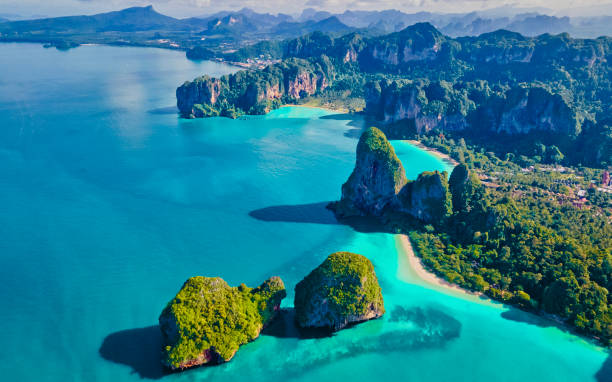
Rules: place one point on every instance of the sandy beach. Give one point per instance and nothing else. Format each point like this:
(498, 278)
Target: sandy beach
(315, 106)
(435, 152)
(414, 271)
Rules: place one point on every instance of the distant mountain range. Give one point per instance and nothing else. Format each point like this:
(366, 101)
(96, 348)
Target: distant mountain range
(230, 30)
(528, 22)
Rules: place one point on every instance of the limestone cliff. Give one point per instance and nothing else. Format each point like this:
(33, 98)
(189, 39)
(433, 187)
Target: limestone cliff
(428, 198)
(253, 92)
(377, 179)
(342, 290)
(419, 42)
(208, 320)
(395, 101)
(525, 109)
(203, 90)
(378, 186)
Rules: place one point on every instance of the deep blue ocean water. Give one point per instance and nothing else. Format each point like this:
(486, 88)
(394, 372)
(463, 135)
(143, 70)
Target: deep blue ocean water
(109, 202)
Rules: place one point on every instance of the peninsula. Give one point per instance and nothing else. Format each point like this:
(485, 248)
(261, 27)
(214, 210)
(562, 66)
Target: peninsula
(483, 238)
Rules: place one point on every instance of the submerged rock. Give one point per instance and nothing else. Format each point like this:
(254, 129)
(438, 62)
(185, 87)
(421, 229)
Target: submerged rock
(342, 290)
(376, 180)
(208, 320)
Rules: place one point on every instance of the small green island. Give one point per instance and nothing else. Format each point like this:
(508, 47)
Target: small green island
(208, 320)
(343, 290)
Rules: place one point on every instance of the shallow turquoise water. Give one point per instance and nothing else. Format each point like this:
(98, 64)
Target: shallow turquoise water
(110, 201)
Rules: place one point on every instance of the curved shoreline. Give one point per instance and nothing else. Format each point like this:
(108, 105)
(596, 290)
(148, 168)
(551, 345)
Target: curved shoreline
(416, 273)
(432, 151)
(306, 105)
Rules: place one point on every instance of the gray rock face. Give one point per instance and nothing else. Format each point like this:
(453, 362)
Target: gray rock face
(203, 90)
(342, 290)
(395, 102)
(528, 109)
(378, 185)
(253, 92)
(377, 179)
(428, 198)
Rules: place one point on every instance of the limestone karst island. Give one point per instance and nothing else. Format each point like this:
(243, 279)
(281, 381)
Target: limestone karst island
(306, 190)
(208, 320)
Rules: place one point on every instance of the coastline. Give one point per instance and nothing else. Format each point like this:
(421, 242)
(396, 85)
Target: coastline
(415, 272)
(445, 157)
(313, 106)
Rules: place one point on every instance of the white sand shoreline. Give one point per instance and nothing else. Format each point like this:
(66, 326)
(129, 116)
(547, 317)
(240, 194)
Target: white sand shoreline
(342, 111)
(444, 157)
(417, 273)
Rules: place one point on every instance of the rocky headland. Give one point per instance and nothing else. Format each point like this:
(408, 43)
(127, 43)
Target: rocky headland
(378, 185)
(253, 92)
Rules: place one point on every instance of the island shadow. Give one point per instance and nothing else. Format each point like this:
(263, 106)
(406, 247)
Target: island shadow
(165, 110)
(605, 373)
(518, 315)
(355, 119)
(285, 326)
(138, 348)
(316, 213)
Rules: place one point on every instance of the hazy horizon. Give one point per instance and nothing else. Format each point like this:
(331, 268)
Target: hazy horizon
(187, 8)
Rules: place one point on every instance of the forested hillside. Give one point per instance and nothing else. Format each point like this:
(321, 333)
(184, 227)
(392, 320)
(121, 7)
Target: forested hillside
(498, 87)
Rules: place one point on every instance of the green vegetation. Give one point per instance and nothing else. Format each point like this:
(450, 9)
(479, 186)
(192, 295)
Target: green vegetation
(376, 180)
(374, 142)
(517, 238)
(429, 195)
(343, 289)
(493, 89)
(254, 92)
(208, 320)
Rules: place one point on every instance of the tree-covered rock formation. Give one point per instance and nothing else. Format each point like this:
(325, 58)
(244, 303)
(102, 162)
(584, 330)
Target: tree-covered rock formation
(342, 290)
(377, 179)
(427, 198)
(254, 92)
(428, 105)
(378, 185)
(465, 188)
(494, 89)
(208, 320)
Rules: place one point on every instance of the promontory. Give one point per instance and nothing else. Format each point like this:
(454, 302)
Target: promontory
(378, 185)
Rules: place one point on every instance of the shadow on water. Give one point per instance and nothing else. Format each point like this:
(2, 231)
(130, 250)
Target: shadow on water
(407, 329)
(514, 314)
(139, 349)
(165, 110)
(315, 213)
(605, 373)
(356, 122)
(285, 326)
(430, 328)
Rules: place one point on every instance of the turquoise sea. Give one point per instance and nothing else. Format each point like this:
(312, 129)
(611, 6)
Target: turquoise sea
(109, 201)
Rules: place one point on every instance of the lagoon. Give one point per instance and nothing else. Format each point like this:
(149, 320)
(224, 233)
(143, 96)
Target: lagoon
(110, 201)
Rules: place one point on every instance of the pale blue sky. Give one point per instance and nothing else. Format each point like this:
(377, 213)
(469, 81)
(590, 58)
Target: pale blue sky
(183, 8)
